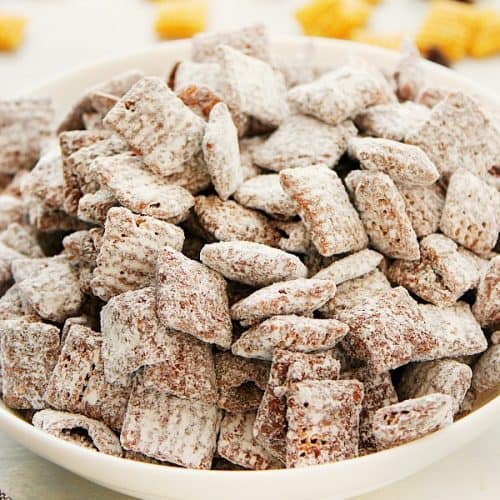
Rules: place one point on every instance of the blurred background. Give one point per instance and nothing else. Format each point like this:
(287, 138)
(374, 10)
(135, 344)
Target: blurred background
(42, 38)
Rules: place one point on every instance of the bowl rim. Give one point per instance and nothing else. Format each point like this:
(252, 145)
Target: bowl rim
(14, 424)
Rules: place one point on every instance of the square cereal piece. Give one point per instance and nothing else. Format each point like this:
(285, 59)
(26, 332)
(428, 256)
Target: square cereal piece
(129, 250)
(194, 176)
(291, 332)
(237, 444)
(77, 384)
(324, 207)
(228, 221)
(68, 426)
(264, 192)
(471, 213)
(295, 237)
(28, 354)
(49, 286)
(12, 209)
(458, 135)
(387, 330)
(11, 305)
(392, 121)
(351, 267)
(156, 123)
(302, 141)
(486, 309)
(300, 296)
(252, 86)
(93, 207)
(252, 40)
(412, 419)
(424, 206)
(197, 74)
(252, 263)
(170, 429)
(83, 320)
(407, 165)
(455, 331)
(383, 213)
(240, 381)
(22, 239)
(138, 189)
(221, 152)
(486, 372)
(192, 298)
(323, 420)
(409, 75)
(340, 94)
(444, 376)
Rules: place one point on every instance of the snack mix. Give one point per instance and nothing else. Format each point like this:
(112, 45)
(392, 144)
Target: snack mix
(247, 264)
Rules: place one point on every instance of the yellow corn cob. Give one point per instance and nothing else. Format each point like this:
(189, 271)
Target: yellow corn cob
(176, 19)
(11, 31)
(486, 41)
(371, 38)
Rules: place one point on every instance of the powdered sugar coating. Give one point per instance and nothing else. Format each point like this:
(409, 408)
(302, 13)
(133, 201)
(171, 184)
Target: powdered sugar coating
(409, 74)
(302, 141)
(486, 374)
(296, 238)
(325, 209)
(252, 263)
(194, 176)
(199, 74)
(411, 419)
(22, 239)
(12, 209)
(192, 298)
(94, 207)
(486, 309)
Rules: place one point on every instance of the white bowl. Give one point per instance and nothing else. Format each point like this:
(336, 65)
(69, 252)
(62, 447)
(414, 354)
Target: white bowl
(337, 480)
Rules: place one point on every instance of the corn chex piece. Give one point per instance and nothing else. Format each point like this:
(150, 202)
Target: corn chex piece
(387, 330)
(411, 419)
(93, 207)
(409, 75)
(458, 134)
(195, 75)
(28, 354)
(77, 384)
(383, 214)
(444, 376)
(170, 429)
(129, 249)
(237, 444)
(291, 332)
(182, 281)
(486, 372)
(486, 41)
(22, 239)
(296, 238)
(83, 320)
(471, 213)
(11, 305)
(252, 263)
(12, 209)
(324, 207)
(67, 426)
(302, 141)
(156, 123)
(323, 420)
(486, 309)
(181, 19)
(194, 176)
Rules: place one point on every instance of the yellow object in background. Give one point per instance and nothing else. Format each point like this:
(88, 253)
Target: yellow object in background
(11, 31)
(486, 42)
(371, 38)
(181, 19)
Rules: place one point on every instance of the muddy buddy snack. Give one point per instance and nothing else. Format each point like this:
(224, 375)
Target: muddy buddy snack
(250, 263)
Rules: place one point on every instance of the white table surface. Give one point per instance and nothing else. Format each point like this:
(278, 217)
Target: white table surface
(63, 34)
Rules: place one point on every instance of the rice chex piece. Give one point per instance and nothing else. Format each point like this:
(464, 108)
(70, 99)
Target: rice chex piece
(93, 207)
(156, 123)
(406, 164)
(252, 263)
(409, 75)
(240, 381)
(77, 384)
(323, 420)
(138, 189)
(471, 214)
(129, 250)
(455, 330)
(221, 151)
(444, 376)
(12, 209)
(296, 238)
(237, 444)
(392, 121)
(351, 267)
(28, 354)
(403, 422)
(300, 296)
(387, 330)
(192, 298)
(383, 214)
(458, 135)
(22, 239)
(229, 221)
(264, 192)
(68, 426)
(11, 305)
(291, 332)
(252, 86)
(486, 372)
(170, 429)
(324, 207)
(302, 141)
(194, 74)
(486, 309)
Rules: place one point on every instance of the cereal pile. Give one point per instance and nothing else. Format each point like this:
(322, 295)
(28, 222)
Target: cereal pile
(249, 264)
